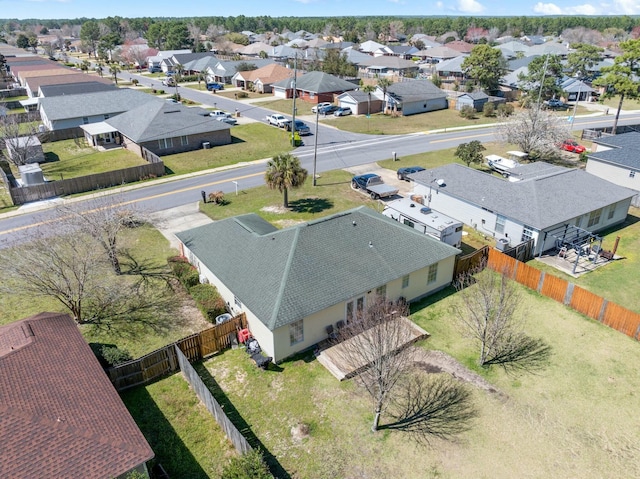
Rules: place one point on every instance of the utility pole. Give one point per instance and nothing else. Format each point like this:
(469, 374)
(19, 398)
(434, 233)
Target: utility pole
(293, 120)
(315, 148)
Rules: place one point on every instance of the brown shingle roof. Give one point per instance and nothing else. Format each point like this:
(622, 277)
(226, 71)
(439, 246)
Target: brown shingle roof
(59, 414)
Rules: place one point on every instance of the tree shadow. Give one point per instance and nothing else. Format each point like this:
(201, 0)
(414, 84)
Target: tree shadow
(50, 157)
(169, 449)
(311, 205)
(239, 422)
(432, 299)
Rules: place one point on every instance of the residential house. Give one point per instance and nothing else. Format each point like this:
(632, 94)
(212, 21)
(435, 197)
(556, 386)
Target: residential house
(64, 112)
(545, 198)
(437, 54)
(154, 63)
(34, 84)
(576, 90)
(617, 159)
(161, 127)
(170, 63)
(413, 96)
(314, 87)
(387, 66)
(361, 103)
(450, 71)
(460, 46)
(255, 49)
(223, 71)
(59, 414)
(370, 46)
(513, 49)
(294, 282)
(475, 100)
(89, 86)
(260, 80)
(23, 68)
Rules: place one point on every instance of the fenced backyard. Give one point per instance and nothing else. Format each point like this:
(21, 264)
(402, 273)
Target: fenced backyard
(164, 361)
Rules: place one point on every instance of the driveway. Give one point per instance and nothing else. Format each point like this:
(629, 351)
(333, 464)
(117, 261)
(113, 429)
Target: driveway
(175, 220)
(390, 177)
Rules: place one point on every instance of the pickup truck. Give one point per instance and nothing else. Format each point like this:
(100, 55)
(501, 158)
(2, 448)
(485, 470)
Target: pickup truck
(277, 120)
(373, 185)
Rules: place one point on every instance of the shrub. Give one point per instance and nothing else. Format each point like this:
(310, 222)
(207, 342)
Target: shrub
(248, 466)
(243, 94)
(468, 112)
(505, 109)
(184, 271)
(114, 355)
(489, 109)
(208, 300)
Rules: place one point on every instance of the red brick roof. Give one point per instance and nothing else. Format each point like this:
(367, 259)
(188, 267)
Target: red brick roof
(59, 414)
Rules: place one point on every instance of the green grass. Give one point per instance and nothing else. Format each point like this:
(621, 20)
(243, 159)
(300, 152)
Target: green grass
(249, 142)
(286, 106)
(184, 436)
(69, 159)
(614, 101)
(571, 420)
(332, 194)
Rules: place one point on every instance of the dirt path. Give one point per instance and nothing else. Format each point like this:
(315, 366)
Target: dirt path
(439, 362)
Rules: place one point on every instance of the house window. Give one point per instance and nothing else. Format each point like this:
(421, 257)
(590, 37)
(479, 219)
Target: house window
(612, 211)
(408, 222)
(165, 143)
(237, 302)
(381, 292)
(405, 281)
(184, 140)
(296, 332)
(527, 233)
(500, 221)
(85, 120)
(594, 217)
(433, 273)
(355, 308)
(632, 174)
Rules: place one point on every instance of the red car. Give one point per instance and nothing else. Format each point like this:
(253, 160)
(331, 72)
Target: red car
(572, 146)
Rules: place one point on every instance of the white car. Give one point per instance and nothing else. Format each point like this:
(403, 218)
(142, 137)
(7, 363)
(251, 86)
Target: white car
(320, 106)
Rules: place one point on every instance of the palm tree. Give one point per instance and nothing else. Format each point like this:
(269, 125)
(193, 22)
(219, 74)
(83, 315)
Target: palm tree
(384, 83)
(284, 171)
(368, 89)
(114, 69)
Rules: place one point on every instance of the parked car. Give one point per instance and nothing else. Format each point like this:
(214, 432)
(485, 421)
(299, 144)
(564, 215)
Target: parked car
(555, 104)
(327, 110)
(403, 173)
(277, 119)
(342, 111)
(319, 106)
(215, 86)
(301, 127)
(573, 146)
(169, 81)
(229, 120)
(220, 114)
(373, 185)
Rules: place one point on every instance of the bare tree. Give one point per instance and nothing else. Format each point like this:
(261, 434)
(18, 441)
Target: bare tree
(487, 312)
(375, 341)
(535, 131)
(20, 138)
(194, 33)
(432, 406)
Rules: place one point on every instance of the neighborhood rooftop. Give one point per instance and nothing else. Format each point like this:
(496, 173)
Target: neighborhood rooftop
(540, 201)
(89, 104)
(317, 264)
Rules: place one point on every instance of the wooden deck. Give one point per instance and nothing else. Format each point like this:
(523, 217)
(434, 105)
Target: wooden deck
(331, 357)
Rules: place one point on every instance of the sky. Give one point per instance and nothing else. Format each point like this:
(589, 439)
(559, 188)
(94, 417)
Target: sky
(22, 9)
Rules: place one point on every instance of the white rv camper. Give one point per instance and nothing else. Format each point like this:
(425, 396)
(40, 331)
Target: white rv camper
(425, 220)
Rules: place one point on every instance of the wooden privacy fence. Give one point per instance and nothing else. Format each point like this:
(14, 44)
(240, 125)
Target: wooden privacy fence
(577, 298)
(164, 360)
(470, 261)
(203, 393)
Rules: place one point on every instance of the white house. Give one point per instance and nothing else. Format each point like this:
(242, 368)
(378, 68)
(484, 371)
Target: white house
(293, 283)
(617, 159)
(545, 198)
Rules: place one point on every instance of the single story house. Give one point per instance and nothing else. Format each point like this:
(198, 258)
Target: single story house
(617, 159)
(451, 70)
(545, 198)
(261, 79)
(35, 83)
(475, 100)
(89, 86)
(413, 96)
(223, 71)
(314, 87)
(161, 127)
(63, 112)
(294, 282)
(59, 414)
(361, 103)
(387, 65)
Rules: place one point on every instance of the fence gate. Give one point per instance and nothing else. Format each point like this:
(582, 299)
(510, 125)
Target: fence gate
(522, 252)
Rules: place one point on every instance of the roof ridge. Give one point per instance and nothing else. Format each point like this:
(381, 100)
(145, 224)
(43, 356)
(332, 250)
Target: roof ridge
(283, 281)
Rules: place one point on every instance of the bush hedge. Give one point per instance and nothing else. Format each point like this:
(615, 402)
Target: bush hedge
(208, 300)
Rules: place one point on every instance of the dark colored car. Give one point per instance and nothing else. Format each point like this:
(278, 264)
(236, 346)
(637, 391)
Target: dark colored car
(573, 146)
(403, 173)
(215, 86)
(327, 110)
(301, 127)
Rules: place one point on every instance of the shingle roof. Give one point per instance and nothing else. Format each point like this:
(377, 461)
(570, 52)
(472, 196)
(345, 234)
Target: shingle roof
(75, 88)
(318, 82)
(415, 90)
(285, 275)
(36, 82)
(157, 119)
(625, 150)
(90, 104)
(59, 414)
(541, 201)
(394, 62)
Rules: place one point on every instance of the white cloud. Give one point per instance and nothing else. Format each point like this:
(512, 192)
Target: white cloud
(547, 8)
(470, 6)
(626, 7)
(586, 9)
(439, 5)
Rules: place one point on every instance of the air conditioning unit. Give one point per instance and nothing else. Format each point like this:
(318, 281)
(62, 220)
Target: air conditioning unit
(502, 244)
(206, 145)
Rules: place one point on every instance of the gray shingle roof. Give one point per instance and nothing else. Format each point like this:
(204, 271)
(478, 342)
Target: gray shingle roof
(285, 275)
(625, 150)
(540, 201)
(160, 119)
(415, 90)
(90, 104)
(318, 82)
(75, 88)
